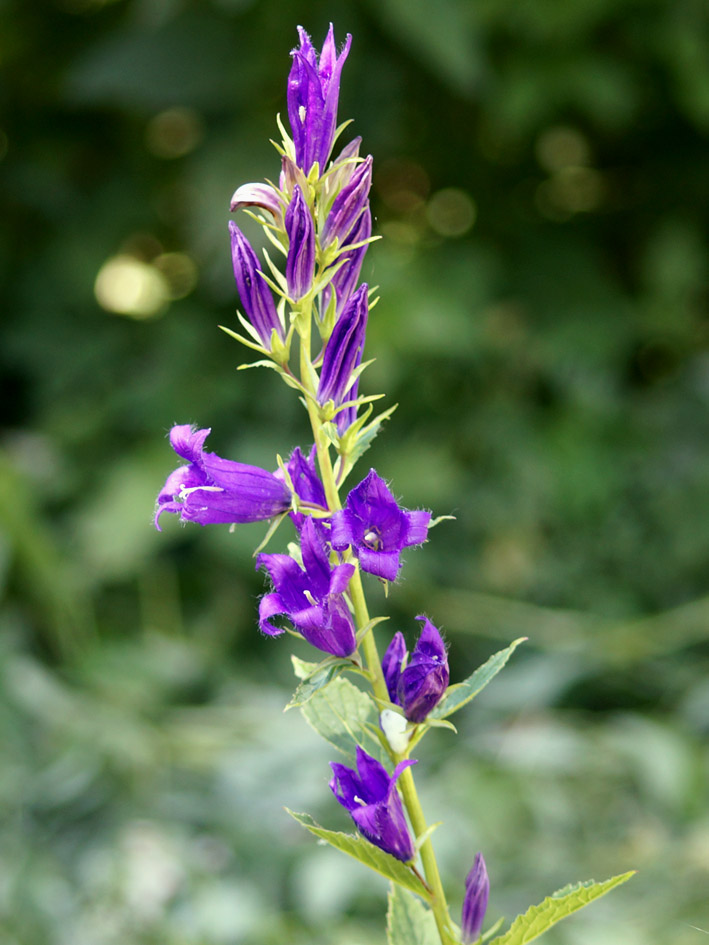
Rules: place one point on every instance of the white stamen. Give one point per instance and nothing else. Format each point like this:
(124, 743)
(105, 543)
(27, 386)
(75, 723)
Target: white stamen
(301, 112)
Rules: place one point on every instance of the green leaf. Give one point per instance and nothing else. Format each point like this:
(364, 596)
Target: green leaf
(313, 681)
(459, 695)
(409, 922)
(356, 846)
(340, 713)
(537, 919)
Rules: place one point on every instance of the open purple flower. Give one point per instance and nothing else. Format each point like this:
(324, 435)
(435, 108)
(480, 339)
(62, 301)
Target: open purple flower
(376, 528)
(300, 262)
(212, 490)
(311, 597)
(370, 795)
(255, 295)
(418, 686)
(313, 93)
(477, 891)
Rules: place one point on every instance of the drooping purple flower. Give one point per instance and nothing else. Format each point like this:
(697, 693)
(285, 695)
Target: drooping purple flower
(255, 295)
(306, 483)
(213, 490)
(311, 596)
(259, 195)
(371, 797)
(477, 891)
(349, 204)
(418, 686)
(313, 93)
(343, 351)
(300, 262)
(376, 528)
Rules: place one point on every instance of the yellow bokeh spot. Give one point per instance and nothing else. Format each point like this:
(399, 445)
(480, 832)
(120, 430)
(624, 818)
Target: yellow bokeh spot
(451, 212)
(127, 286)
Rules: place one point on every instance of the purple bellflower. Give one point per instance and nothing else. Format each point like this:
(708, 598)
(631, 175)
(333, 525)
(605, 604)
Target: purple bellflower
(345, 279)
(311, 597)
(343, 351)
(306, 483)
(477, 891)
(212, 490)
(418, 686)
(263, 196)
(313, 93)
(377, 530)
(371, 797)
(255, 295)
(349, 204)
(300, 262)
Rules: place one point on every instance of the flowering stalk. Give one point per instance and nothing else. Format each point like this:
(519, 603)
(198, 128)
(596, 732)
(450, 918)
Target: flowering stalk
(318, 218)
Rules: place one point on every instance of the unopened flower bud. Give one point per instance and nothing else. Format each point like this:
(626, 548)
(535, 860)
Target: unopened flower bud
(477, 891)
(300, 262)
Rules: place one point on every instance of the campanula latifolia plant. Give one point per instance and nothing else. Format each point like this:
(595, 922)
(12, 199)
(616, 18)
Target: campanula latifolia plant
(306, 316)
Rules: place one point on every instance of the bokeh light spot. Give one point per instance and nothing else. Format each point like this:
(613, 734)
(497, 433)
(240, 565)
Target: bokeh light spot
(174, 133)
(451, 212)
(560, 147)
(402, 184)
(129, 286)
(180, 272)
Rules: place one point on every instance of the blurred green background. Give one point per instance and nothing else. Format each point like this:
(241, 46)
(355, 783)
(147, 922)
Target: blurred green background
(541, 184)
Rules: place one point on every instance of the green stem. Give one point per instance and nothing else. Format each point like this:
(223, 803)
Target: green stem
(428, 857)
(368, 643)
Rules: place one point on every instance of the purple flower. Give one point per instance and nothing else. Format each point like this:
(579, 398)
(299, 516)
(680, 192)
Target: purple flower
(300, 262)
(306, 483)
(255, 295)
(311, 596)
(477, 891)
(370, 795)
(376, 529)
(345, 279)
(343, 351)
(349, 204)
(313, 92)
(211, 489)
(258, 195)
(418, 686)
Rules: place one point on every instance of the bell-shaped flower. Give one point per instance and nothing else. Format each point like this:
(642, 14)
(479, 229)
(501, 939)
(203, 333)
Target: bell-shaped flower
(418, 686)
(376, 529)
(213, 490)
(311, 596)
(300, 261)
(263, 196)
(343, 351)
(307, 484)
(349, 204)
(255, 295)
(477, 891)
(313, 93)
(371, 797)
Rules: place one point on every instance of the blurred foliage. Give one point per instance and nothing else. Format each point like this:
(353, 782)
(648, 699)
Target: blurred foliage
(541, 186)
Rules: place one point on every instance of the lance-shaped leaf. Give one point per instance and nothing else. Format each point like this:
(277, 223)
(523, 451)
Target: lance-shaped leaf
(409, 921)
(460, 694)
(314, 676)
(364, 851)
(341, 714)
(537, 919)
